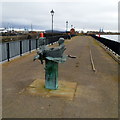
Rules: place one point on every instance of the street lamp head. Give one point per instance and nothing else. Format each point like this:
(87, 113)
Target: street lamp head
(52, 12)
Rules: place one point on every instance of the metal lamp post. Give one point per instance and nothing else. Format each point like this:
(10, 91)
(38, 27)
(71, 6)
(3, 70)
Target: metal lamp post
(52, 13)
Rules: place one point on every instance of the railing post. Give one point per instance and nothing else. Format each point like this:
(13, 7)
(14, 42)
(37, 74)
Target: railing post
(20, 48)
(8, 52)
(30, 46)
(36, 44)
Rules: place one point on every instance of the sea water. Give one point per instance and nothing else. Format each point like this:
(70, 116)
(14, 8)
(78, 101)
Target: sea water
(112, 37)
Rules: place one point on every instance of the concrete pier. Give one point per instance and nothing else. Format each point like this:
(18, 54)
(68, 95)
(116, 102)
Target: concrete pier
(96, 94)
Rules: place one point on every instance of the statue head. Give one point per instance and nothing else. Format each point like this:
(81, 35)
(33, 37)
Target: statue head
(61, 41)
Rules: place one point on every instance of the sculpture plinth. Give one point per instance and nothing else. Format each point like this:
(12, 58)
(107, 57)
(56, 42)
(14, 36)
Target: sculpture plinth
(51, 74)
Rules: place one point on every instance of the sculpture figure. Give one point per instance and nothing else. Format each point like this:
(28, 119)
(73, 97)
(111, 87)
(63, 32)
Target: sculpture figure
(51, 56)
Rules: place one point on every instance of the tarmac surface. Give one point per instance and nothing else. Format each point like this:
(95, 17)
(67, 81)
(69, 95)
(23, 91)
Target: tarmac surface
(96, 95)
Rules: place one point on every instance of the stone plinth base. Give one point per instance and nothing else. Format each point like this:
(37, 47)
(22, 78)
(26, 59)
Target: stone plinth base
(65, 90)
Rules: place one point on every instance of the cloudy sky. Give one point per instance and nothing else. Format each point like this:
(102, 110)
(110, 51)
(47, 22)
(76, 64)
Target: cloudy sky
(82, 14)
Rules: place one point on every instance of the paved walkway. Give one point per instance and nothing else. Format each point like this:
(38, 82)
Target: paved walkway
(96, 95)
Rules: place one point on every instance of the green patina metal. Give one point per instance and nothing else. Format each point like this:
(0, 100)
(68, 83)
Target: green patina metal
(51, 74)
(52, 57)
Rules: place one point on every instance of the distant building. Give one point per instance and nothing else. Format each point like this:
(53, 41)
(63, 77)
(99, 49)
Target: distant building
(101, 30)
(3, 30)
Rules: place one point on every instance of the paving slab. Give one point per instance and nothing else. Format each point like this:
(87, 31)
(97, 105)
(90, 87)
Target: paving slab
(66, 90)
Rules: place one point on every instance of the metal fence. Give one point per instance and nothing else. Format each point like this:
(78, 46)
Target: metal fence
(12, 49)
(113, 45)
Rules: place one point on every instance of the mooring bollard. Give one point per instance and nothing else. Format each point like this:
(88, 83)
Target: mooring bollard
(52, 57)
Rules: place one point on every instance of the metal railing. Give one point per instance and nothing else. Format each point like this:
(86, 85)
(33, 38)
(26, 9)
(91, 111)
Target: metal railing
(9, 50)
(113, 45)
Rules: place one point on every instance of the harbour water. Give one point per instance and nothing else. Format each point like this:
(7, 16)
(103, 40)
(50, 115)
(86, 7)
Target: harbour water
(112, 37)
